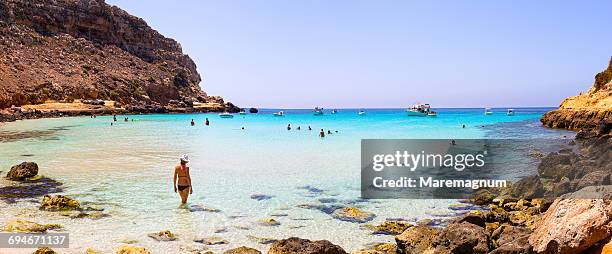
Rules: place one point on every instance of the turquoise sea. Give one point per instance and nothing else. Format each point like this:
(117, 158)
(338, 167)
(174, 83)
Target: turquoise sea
(127, 169)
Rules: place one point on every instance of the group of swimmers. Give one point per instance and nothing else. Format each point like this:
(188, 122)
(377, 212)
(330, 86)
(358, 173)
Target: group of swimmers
(321, 132)
(125, 119)
(206, 122)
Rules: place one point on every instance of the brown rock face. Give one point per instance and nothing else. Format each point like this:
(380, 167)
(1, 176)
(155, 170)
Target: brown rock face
(296, 245)
(586, 111)
(87, 49)
(415, 239)
(22, 171)
(572, 225)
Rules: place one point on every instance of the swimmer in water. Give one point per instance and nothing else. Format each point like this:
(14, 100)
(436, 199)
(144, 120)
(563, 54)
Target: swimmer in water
(322, 133)
(192, 122)
(309, 128)
(299, 128)
(206, 122)
(329, 132)
(289, 127)
(182, 179)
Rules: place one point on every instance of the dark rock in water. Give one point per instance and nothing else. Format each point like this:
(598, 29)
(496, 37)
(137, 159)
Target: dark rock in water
(311, 189)
(352, 214)
(518, 246)
(260, 197)
(202, 208)
(163, 236)
(296, 245)
(29, 189)
(473, 218)
(213, 240)
(261, 240)
(328, 200)
(253, 110)
(391, 228)
(328, 209)
(242, 250)
(59, 203)
(415, 239)
(461, 238)
(22, 171)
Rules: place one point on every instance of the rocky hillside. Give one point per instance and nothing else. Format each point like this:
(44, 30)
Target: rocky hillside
(590, 111)
(87, 49)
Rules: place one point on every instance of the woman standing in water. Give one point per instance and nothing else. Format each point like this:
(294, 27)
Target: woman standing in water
(181, 173)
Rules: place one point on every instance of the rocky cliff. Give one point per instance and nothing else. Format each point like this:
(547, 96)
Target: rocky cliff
(590, 112)
(87, 49)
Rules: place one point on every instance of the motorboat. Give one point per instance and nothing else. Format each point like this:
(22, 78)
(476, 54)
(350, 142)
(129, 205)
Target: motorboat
(418, 110)
(510, 112)
(242, 112)
(361, 113)
(279, 113)
(318, 111)
(226, 115)
(488, 111)
(334, 111)
(432, 114)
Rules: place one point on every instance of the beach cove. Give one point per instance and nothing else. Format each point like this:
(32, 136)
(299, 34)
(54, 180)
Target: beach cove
(242, 178)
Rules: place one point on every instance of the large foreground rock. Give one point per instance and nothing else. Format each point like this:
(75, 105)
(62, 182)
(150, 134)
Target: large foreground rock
(296, 245)
(461, 237)
(415, 239)
(573, 224)
(22, 171)
(242, 250)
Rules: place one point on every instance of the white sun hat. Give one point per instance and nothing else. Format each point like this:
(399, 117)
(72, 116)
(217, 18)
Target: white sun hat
(185, 158)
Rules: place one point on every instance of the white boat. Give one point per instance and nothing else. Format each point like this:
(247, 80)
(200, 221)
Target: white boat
(361, 113)
(334, 111)
(488, 111)
(418, 110)
(318, 111)
(432, 114)
(279, 113)
(226, 115)
(242, 112)
(510, 112)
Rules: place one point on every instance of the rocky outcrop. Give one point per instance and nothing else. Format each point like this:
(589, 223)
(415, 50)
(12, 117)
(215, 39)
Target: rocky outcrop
(589, 112)
(86, 49)
(22, 171)
(352, 214)
(163, 236)
(415, 239)
(24, 226)
(296, 245)
(59, 203)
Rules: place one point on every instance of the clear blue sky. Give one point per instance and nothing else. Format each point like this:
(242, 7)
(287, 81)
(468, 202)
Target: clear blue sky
(300, 54)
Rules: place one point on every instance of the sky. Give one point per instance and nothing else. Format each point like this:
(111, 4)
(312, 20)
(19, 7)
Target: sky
(343, 54)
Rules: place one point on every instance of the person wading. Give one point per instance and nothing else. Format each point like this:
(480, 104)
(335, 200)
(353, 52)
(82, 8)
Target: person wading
(182, 179)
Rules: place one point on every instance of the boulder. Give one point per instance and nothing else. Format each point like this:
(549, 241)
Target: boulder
(296, 245)
(213, 240)
(59, 203)
(128, 249)
(416, 239)
(253, 110)
(242, 250)
(24, 226)
(391, 227)
(44, 250)
(572, 224)
(261, 240)
(518, 246)
(483, 197)
(594, 178)
(22, 171)
(556, 165)
(528, 187)
(352, 214)
(268, 222)
(163, 236)
(461, 238)
(507, 234)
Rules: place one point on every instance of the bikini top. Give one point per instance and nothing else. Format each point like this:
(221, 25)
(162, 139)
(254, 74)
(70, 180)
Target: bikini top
(179, 175)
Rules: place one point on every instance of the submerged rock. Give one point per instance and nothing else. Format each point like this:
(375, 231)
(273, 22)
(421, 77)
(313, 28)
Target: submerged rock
(242, 250)
(203, 208)
(296, 245)
(24, 226)
(391, 227)
(415, 239)
(91, 251)
(261, 240)
(260, 197)
(268, 222)
(128, 249)
(163, 236)
(22, 171)
(213, 240)
(352, 214)
(59, 203)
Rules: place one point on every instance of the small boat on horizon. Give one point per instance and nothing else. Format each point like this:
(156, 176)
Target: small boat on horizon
(226, 115)
(361, 113)
(510, 112)
(318, 111)
(279, 113)
(242, 112)
(488, 111)
(419, 110)
(334, 111)
(432, 114)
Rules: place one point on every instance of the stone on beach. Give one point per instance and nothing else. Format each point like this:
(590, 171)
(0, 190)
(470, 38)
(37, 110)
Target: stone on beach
(163, 236)
(296, 245)
(268, 222)
(213, 240)
(203, 208)
(128, 249)
(261, 240)
(242, 250)
(391, 228)
(44, 250)
(461, 237)
(22, 171)
(352, 214)
(59, 203)
(24, 226)
(416, 239)
(260, 197)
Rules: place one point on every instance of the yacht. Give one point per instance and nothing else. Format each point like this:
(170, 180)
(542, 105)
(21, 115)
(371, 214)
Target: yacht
(318, 111)
(361, 113)
(510, 112)
(226, 115)
(419, 110)
(488, 111)
(279, 113)
(242, 112)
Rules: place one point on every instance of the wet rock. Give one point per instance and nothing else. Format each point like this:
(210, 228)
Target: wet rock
(242, 250)
(163, 236)
(128, 249)
(203, 208)
(311, 189)
(44, 250)
(91, 251)
(556, 165)
(415, 239)
(260, 197)
(473, 218)
(59, 203)
(22, 171)
(261, 240)
(325, 208)
(507, 233)
(268, 222)
(595, 178)
(573, 224)
(518, 246)
(95, 215)
(536, 153)
(528, 187)
(352, 214)
(213, 240)
(379, 248)
(296, 245)
(391, 227)
(24, 226)
(461, 238)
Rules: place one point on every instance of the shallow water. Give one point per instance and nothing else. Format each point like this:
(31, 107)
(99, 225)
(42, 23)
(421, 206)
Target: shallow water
(127, 169)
